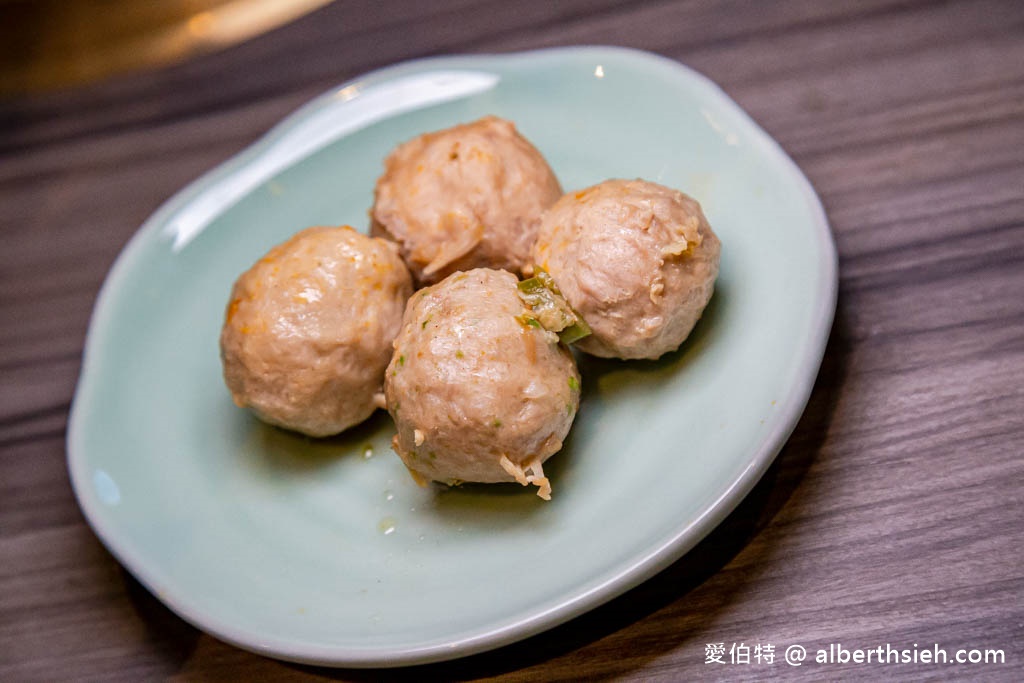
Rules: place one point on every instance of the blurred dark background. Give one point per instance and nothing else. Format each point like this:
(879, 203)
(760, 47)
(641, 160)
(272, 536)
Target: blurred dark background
(54, 44)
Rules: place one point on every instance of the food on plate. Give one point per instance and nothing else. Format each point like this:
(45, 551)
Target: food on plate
(475, 368)
(637, 260)
(465, 197)
(308, 330)
(479, 389)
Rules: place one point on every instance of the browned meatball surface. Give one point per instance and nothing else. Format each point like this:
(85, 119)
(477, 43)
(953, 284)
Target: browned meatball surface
(637, 261)
(477, 393)
(465, 197)
(309, 327)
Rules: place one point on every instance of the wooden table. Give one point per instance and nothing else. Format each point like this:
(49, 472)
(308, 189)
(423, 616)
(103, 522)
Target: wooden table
(894, 515)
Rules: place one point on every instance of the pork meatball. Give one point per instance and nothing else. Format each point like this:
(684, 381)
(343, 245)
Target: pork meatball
(309, 327)
(479, 390)
(635, 259)
(465, 197)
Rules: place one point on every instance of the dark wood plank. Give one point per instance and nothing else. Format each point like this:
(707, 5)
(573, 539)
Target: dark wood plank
(895, 514)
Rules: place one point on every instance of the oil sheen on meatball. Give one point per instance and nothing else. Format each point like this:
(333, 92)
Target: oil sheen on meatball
(478, 391)
(636, 260)
(309, 327)
(465, 197)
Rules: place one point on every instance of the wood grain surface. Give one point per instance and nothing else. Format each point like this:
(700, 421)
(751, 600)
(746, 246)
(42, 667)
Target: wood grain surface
(894, 515)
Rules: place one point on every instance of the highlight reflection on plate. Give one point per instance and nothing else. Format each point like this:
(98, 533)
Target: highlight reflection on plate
(326, 551)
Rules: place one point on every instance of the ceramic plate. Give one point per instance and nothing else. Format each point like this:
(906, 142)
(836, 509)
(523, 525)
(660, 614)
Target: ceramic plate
(326, 551)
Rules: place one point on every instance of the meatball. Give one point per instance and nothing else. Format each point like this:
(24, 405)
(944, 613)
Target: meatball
(308, 330)
(465, 197)
(478, 389)
(635, 259)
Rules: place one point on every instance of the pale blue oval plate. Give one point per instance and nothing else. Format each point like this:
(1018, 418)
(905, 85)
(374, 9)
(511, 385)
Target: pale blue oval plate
(313, 552)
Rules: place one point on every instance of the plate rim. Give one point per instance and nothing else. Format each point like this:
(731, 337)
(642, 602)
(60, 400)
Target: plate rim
(639, 568)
